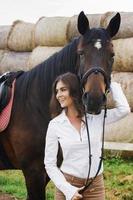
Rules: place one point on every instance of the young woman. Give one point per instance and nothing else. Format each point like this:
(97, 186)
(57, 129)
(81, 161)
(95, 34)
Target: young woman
(68, 128)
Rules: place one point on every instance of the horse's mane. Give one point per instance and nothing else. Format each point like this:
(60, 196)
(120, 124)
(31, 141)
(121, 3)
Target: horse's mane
(45, 73)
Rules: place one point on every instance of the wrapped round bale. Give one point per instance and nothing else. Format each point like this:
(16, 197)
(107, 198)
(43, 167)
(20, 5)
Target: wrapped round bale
(39, 54)
(4, 31)
(120, 131)
(51, 31)
(126, 26)
(21, 36)
(126, 81)
(94, 21)
(13, 61)
(123, 49)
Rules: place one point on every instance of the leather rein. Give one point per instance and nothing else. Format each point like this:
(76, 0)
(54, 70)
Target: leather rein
(83, 78)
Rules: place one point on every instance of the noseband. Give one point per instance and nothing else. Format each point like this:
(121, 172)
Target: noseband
(95, 70)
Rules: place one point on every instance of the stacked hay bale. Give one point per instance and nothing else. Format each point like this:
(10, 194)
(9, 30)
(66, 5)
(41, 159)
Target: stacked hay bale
(122, 131)
(24, 45)
(15, 50)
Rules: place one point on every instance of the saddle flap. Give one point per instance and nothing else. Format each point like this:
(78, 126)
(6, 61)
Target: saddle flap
(5, 95)
(6, 81)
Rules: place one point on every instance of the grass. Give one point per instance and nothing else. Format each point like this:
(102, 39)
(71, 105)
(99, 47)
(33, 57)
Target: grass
(118, 175)
(12, 182)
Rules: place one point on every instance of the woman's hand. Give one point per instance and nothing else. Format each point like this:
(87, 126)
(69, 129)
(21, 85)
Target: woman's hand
(77, 195)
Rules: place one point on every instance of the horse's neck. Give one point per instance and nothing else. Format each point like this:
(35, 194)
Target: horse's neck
(40, 79)
(64, 61)
(61, 62)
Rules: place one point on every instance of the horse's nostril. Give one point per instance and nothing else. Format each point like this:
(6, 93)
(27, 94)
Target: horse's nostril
(84, 98)
(85, 95)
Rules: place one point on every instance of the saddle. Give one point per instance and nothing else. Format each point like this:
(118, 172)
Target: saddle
(6, 81)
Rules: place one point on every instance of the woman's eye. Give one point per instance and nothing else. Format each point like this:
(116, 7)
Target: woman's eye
(63, 89)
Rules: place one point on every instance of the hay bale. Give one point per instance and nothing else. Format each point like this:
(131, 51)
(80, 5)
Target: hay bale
(123, 55)
(51, 31)
(126, 81)
(2, 54)
(120, 131)
(126, 26)
(21, 36)
(4, 31)
(13, 61)
(94, 21)
(39, 54)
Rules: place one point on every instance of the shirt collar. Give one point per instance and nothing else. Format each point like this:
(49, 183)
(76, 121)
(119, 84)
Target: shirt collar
(63, 117)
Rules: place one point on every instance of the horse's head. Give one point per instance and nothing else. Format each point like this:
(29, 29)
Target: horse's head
(96, 59)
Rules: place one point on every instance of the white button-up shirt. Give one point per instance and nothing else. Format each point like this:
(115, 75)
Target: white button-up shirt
(75, 145)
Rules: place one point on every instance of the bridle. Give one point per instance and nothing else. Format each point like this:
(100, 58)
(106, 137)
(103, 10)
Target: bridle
(95, 70)
(83, 78)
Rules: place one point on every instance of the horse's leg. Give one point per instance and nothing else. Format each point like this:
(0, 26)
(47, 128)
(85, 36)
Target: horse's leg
(2, 166)
(36, 181)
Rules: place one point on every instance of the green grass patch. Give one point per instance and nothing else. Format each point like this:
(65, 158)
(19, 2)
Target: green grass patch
(118, 176)
(12, 182)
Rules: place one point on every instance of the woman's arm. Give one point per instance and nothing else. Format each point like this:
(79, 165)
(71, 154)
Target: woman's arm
(50, 162)
(121, 103)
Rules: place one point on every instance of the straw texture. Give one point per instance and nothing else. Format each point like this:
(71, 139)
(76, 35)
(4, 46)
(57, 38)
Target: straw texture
(120, 131)
(13, 61)
(51, 31)
(21, 36)
(39, 54)
(123, 49)
(126, 26)
(4, 32)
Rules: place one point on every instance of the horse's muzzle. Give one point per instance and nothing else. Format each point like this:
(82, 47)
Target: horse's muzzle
(93, 104)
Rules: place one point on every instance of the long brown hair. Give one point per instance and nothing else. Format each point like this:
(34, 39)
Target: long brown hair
(72, 82)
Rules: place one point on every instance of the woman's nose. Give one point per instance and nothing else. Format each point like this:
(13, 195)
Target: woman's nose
(59, 93)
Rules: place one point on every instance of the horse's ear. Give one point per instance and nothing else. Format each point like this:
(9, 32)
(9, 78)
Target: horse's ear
(83, 23)
(114, 25)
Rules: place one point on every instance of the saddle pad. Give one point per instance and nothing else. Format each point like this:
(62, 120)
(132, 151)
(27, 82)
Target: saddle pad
(6, 113)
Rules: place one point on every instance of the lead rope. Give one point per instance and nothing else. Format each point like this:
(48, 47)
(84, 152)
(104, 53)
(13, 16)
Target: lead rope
(89, 144)
(90, 155)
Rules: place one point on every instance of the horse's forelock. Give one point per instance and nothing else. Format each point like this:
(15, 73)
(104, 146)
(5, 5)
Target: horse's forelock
(96, 33)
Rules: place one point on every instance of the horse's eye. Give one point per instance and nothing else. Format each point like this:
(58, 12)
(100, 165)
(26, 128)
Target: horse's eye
(112, 55)
(112, 59)
(80, 52)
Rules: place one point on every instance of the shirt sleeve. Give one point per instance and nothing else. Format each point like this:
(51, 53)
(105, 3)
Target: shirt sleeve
(50, 161)
(122, 107)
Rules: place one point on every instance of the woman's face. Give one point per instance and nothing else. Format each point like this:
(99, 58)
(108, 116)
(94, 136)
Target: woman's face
(63, 96)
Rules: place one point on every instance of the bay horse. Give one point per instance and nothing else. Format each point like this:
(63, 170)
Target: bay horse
(22, 143)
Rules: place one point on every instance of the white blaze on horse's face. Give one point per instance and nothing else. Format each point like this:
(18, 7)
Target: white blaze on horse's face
(98, 44)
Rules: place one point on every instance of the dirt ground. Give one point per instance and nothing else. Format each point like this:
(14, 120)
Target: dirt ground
(6, 197)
